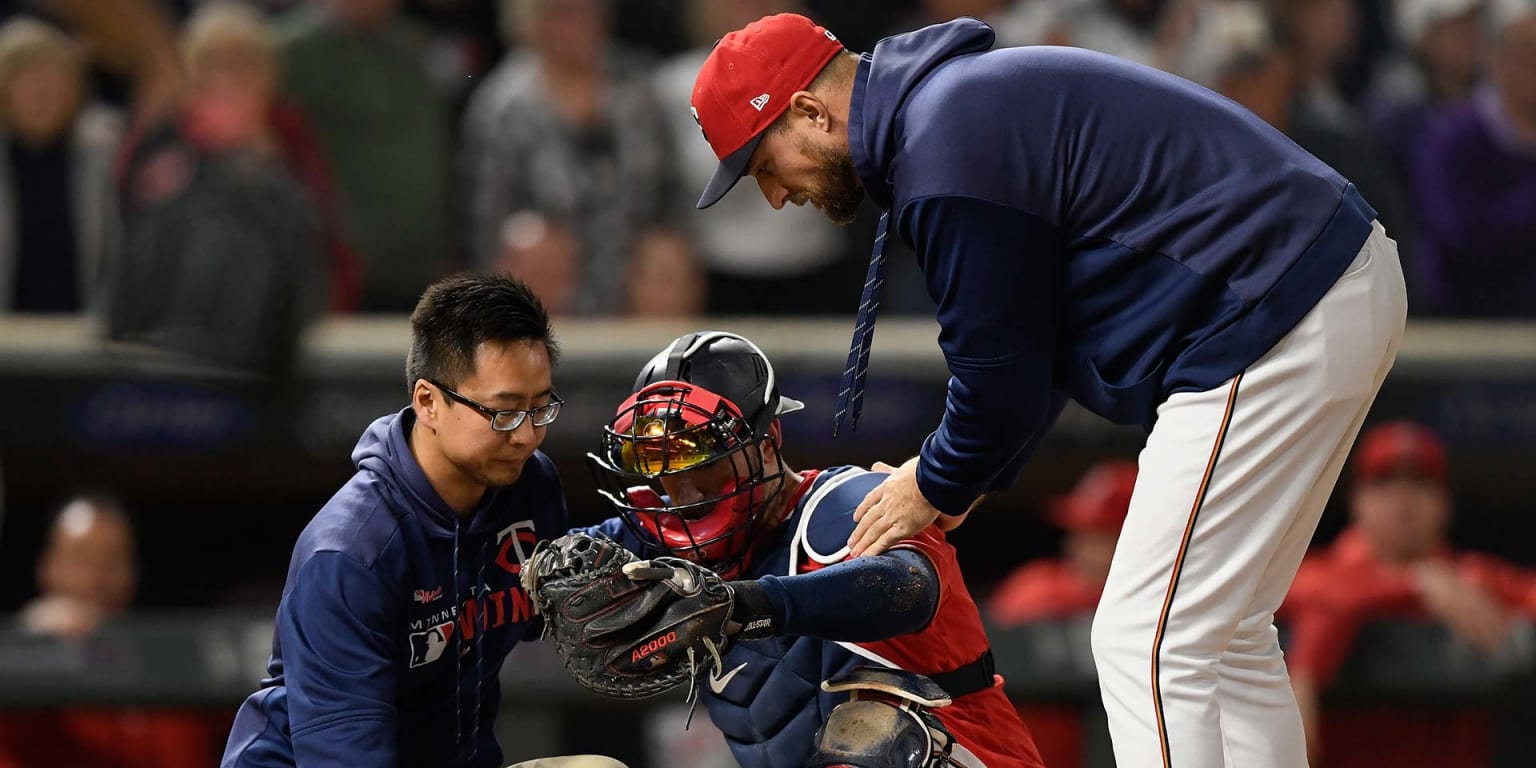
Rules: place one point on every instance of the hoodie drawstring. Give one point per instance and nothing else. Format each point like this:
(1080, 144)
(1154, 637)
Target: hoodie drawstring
(470, 619)
(458, 673)
(850, 395)
(479, 651)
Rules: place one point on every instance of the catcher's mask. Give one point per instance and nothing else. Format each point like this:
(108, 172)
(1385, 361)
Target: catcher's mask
(707, 400)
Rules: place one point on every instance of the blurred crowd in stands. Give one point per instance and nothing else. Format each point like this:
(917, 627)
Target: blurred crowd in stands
(337, 155)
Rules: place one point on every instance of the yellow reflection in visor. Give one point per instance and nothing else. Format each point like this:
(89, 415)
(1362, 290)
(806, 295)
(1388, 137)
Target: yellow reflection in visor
(660, 444)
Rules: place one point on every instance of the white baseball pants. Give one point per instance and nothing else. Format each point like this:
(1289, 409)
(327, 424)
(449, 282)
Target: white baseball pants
(1232, 483)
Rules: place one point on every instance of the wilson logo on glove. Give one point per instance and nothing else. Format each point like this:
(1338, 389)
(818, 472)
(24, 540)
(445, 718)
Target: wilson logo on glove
(653, 646)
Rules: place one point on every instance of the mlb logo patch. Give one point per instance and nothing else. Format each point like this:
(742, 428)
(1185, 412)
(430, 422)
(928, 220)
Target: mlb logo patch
(428, 646)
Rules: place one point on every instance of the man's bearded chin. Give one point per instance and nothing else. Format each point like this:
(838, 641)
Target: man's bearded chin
(836, 191)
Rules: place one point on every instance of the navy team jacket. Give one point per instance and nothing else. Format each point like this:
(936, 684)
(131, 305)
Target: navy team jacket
(396, 618)
(1089, 228)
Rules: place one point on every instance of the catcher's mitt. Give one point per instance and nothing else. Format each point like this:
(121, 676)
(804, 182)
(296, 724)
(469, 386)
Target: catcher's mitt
(626, 627)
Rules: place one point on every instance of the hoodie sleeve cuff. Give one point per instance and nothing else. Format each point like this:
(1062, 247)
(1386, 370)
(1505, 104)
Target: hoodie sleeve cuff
(947, 497)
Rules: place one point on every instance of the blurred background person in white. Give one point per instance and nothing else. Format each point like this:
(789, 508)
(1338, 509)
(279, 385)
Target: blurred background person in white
(567, 127)
(759, 261)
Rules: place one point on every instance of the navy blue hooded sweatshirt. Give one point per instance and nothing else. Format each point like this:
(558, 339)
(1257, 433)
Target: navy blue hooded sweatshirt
(1089, 228)
(396, 618)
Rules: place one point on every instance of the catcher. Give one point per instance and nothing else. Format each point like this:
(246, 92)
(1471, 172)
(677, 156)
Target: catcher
(749, 597)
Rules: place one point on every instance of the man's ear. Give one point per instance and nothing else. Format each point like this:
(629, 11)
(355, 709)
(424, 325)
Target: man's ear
(426, 403)
(771, 452)
(808, 106)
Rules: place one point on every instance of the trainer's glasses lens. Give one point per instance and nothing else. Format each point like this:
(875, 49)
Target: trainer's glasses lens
(543, 416)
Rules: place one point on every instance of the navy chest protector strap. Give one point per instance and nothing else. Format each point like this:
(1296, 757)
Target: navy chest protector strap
(975, 676)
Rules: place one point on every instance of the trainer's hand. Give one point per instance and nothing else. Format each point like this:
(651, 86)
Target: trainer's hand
(893, 511)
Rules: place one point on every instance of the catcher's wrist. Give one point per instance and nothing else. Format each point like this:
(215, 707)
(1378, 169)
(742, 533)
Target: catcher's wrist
(752, 611)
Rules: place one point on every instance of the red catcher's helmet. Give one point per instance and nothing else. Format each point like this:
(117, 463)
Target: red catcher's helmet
(708, 397)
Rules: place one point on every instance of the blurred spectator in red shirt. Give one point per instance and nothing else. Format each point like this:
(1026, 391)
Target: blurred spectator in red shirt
(234, 103)
(1091, 515)
(1068, 589)
(1393, 561)
(87, 575)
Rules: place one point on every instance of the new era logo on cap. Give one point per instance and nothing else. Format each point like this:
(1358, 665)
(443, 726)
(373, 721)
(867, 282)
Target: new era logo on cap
(757, 66)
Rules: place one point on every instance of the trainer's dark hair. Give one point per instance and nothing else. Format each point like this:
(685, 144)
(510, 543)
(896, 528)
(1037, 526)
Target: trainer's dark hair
(458, 313)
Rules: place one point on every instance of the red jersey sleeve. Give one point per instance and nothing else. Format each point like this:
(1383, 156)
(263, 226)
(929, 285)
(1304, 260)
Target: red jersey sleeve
(1044, 589)
(1512, 585)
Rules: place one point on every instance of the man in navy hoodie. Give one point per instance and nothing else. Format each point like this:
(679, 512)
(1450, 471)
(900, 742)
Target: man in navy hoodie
(403, 598)
(1097, 230)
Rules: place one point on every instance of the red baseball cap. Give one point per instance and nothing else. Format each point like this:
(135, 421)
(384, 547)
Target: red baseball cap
(1099, 501)
(745, 85)
(1400, 447)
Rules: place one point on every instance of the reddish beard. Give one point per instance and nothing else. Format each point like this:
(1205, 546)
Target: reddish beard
(836, 189)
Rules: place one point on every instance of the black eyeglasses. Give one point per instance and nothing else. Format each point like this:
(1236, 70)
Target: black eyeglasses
(510, 419)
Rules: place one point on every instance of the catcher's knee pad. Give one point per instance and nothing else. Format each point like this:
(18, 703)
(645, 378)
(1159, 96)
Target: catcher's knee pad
(888, 722)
